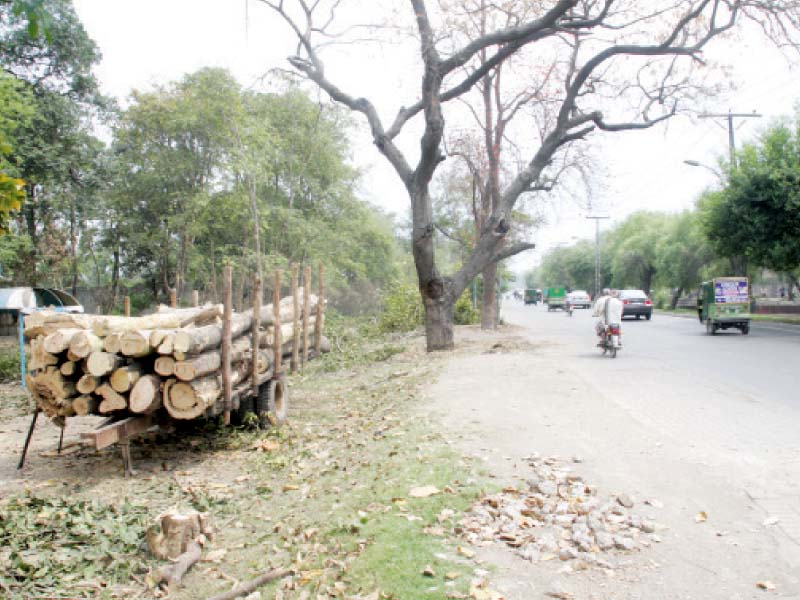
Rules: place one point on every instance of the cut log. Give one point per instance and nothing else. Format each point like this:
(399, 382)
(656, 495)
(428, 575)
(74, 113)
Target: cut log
(198, 339)
(165, 320)
(190, 399)
(173, 531)
(124, 378)
(157, 336)
(69, 368)
(87, 384)
(111, 343)
(112, 400)
(40, 358)
(84, 343)
(84, 405)
(102, 363)
(72, 356)
(51, 391)
(167, 345)
(145, 397)
(44, 322)
(211, 361)
(59, 341)
(165, 366)
(287, 332)
(135, 343)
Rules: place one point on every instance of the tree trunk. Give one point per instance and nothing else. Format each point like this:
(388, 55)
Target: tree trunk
(439, 322)
(675, 297)
(87, 384)
(489, 299)
(111, 400)
(165, 366)
(84, 343)
(59, 340)
(102, 363)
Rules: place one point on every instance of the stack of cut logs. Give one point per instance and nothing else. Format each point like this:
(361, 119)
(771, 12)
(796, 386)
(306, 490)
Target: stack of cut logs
(85, 364)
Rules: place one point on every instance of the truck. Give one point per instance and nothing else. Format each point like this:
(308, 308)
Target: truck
(555, 298)
(724, 303)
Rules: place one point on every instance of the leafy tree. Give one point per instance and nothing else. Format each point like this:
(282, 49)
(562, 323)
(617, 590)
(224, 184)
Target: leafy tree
(647, 66)
(683, 254)
(634, 246)
(758, 213)
(15, 111)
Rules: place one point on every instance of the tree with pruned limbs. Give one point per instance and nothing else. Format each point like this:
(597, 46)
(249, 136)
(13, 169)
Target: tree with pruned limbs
(620, 65)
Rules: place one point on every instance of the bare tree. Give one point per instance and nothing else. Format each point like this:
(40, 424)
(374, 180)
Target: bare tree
(622, 65)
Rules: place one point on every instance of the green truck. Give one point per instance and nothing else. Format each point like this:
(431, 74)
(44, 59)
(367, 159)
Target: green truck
(724, 303)
(555, 297)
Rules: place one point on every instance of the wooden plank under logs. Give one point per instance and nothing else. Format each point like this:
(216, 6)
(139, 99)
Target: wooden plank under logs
(118, 431)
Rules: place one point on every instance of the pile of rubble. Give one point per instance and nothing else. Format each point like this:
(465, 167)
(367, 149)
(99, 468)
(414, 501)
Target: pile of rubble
(560, 516)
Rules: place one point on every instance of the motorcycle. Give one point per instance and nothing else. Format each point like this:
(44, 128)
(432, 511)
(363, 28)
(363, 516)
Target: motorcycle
(611, 339)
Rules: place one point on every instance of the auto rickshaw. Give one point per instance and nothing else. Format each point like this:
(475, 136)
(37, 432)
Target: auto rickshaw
(724, 303)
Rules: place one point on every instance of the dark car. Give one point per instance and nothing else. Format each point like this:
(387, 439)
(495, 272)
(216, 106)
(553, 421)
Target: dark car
(635, 303)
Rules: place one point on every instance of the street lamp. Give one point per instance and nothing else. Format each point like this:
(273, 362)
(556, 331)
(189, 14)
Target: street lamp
(697, 163)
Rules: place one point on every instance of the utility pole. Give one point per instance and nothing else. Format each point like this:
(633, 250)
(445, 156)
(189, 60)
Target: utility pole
(597, 252)
(730, 117)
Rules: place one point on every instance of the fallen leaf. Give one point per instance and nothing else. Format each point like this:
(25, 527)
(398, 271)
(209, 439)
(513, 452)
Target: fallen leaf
(766, 585)
(428, 571)
(770, 521)
(290, 487)
(451, 576)
(424, 491)
(215, 556)
(465, 552)
(242, 478)
(701, 517)
(560, 595)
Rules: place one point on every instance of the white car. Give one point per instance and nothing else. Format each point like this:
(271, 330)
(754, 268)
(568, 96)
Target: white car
(579, 299)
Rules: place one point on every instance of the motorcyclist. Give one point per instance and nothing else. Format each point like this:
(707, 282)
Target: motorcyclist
(608, 309)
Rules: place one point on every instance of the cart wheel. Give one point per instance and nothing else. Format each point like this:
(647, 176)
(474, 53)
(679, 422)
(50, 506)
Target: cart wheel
(273, 402)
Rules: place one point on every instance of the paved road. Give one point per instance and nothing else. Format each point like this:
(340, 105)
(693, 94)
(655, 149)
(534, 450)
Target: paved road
(699, 422)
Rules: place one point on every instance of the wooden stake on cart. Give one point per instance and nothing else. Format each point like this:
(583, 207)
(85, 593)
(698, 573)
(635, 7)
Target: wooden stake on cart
(127, 304)
(276, 323)
(173, 298)
(295, 319)
(257, 293)
(227, 277)
(195, 298)
(306, 310)
(320, 304)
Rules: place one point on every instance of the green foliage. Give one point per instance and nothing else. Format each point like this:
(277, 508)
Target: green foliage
(58, 543)
(9, 363)
(758, 213)
(465, 313)
(402, 308)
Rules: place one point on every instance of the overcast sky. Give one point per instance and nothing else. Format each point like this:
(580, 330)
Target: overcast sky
(147, 42)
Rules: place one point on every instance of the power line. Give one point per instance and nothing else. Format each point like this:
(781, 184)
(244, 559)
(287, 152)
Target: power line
(730, 116)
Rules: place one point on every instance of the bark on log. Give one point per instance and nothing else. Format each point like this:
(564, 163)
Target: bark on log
(124, 378)
(145, 396)
(135, 343)
(211, 361)
(84, 343)
(102, 363)
(161, 320)
(51, 391)
(287, 332)
(44, 322)
(59, 341)
(165, 366)
(40, 358)
(84, 405)
(199, 339)
(190, 399)
(87, 384)
(172, 573)
(112, 400)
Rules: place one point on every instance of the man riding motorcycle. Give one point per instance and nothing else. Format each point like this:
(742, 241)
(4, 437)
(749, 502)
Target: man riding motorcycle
(608, 309)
